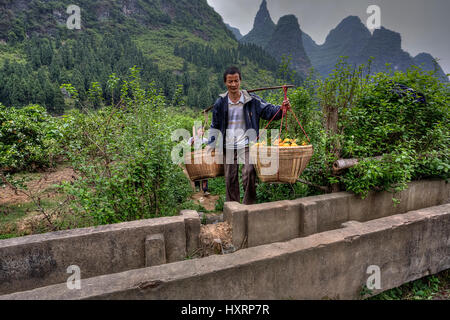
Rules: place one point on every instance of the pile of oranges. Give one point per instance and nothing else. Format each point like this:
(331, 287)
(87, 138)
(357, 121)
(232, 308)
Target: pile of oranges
(287, 142)
(284, 143)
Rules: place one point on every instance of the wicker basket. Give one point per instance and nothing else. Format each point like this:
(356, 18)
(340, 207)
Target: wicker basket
(291, 162)
(199, 168)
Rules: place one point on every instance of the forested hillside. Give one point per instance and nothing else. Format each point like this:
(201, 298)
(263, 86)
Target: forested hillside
(38, 52)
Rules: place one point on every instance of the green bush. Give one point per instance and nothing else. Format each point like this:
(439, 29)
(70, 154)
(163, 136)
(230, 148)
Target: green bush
(412, 137)
(29, 138)
(123, 158)
(276, 192)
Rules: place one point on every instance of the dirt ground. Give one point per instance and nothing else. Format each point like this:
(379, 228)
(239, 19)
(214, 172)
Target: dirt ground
(208, 202)
(215, 238)
(45, 180)
(38, 185)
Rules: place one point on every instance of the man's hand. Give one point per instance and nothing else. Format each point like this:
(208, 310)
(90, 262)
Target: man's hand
(209, 149)
(286, 104)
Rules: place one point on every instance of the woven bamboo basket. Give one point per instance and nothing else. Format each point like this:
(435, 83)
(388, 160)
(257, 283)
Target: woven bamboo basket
(291, 162)
(200, 169)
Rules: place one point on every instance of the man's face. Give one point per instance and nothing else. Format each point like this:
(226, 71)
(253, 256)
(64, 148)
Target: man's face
(233, 83)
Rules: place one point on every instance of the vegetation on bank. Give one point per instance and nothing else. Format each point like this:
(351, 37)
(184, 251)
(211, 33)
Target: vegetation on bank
(38, 52)
(434, 287)
(35, 75)
(120, 148)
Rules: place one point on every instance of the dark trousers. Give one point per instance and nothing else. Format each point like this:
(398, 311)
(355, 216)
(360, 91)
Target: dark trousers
(232, 176)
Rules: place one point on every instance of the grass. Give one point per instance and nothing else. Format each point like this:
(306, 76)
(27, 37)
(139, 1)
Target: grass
(9, 216)
(13, 214)
(159, 44)
(192, 205)
(160, 50)
(10, 53)
(428, 288)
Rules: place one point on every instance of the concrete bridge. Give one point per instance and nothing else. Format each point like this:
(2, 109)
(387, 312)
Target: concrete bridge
(321, 247)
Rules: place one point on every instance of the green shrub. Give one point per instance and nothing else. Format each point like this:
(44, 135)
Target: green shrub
(123, 158)
(412, 137)
(29, 138)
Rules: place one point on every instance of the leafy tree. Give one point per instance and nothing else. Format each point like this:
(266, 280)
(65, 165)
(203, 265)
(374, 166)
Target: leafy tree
(123, 157)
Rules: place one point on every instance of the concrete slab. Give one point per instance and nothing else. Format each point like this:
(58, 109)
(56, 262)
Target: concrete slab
(236, 215)
(155, 250)
(37, 260)
(328, 265)
(273, 222)
(192, 224)
(283, 220)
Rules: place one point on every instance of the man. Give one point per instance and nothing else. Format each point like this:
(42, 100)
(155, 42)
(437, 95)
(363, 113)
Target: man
(235, 112)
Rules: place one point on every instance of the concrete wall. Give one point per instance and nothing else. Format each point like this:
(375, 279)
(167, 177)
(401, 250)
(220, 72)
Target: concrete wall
(40, 260)
(327, 265)
(284, 220)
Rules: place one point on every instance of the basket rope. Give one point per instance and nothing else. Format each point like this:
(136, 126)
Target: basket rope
(284, 109)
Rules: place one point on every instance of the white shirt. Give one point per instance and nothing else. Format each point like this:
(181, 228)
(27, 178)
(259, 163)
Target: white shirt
(241, 99)
(235, 136)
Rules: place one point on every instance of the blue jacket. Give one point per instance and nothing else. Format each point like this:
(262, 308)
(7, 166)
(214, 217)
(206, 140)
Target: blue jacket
(254, 109)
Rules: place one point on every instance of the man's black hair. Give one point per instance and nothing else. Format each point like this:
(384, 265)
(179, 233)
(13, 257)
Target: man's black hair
(231, 70)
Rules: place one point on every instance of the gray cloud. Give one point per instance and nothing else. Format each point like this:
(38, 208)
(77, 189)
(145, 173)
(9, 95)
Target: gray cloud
(423, 24)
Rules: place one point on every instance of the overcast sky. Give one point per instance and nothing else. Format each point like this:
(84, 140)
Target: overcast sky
(424, 25)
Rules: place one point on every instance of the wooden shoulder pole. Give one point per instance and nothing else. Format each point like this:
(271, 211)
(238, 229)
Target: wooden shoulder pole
(255, 90)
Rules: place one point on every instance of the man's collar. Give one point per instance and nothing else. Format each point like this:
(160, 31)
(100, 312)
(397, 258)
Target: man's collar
(241, 99)
(244, 95)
